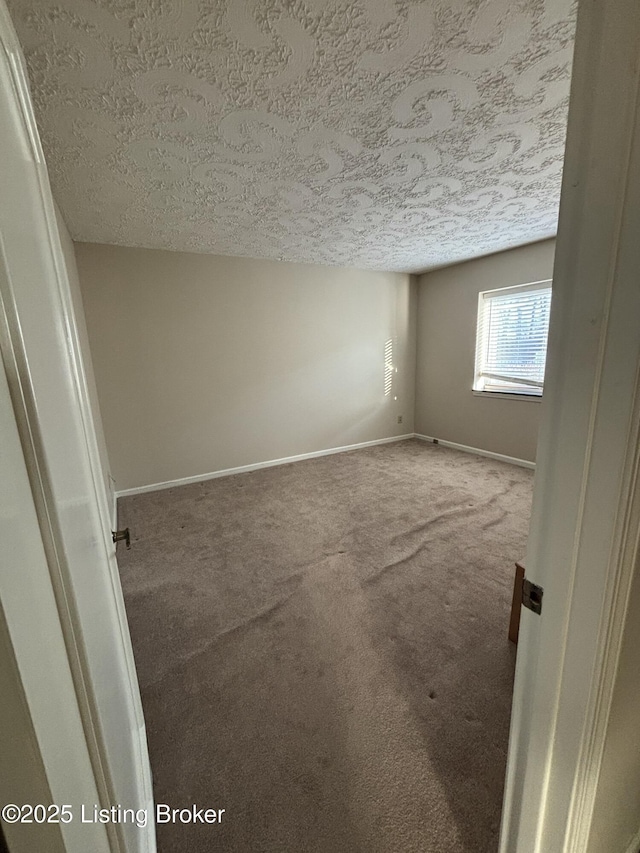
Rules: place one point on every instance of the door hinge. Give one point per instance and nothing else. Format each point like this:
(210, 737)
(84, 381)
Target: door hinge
(532, 596)
(122, 535)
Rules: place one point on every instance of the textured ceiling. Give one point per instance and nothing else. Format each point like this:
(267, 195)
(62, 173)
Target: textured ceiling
(370, 133)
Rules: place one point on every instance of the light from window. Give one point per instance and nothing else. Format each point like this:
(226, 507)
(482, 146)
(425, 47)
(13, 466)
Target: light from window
(388, 367)
(511, 342)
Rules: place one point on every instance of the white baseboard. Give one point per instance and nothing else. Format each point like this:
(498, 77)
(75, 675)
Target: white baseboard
(256, 466)
(227, 472)
(513, 460)
(634, 844)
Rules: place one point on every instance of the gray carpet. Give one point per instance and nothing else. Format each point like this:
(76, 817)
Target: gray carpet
(322, 650)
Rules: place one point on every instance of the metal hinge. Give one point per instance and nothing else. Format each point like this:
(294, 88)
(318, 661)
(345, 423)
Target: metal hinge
(532, 596)
(122, 535)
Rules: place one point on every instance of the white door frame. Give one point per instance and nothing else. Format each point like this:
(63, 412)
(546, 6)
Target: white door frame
(45, 755)
(584, 531)
(104, 744)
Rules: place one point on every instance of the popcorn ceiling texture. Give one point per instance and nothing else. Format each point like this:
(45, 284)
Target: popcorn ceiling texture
(368, 133)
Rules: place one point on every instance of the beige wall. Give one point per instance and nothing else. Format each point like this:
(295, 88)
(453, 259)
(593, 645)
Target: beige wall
(205, 363)
(446, 408)
(616, 818)
(87, 360)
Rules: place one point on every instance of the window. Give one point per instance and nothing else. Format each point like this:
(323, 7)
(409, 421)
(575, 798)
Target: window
(511, 342)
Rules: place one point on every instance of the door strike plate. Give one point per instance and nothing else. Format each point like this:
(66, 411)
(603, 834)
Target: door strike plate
(532, 596)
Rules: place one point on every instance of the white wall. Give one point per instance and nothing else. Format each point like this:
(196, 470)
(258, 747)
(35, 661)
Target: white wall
(446, 407)
(205, 363)
(87, 360)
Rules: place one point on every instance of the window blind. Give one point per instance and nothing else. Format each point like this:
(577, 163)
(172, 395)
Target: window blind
(511, 349)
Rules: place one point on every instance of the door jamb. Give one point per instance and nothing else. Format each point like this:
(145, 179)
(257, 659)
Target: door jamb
(17, 365)
(586, 516)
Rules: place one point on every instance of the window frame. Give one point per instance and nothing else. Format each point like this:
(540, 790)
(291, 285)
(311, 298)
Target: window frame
(479, 382)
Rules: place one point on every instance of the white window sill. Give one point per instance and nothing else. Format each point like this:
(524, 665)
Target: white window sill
(526, 398)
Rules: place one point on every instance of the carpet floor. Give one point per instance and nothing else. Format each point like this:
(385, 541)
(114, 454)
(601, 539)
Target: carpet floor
(322, 650)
